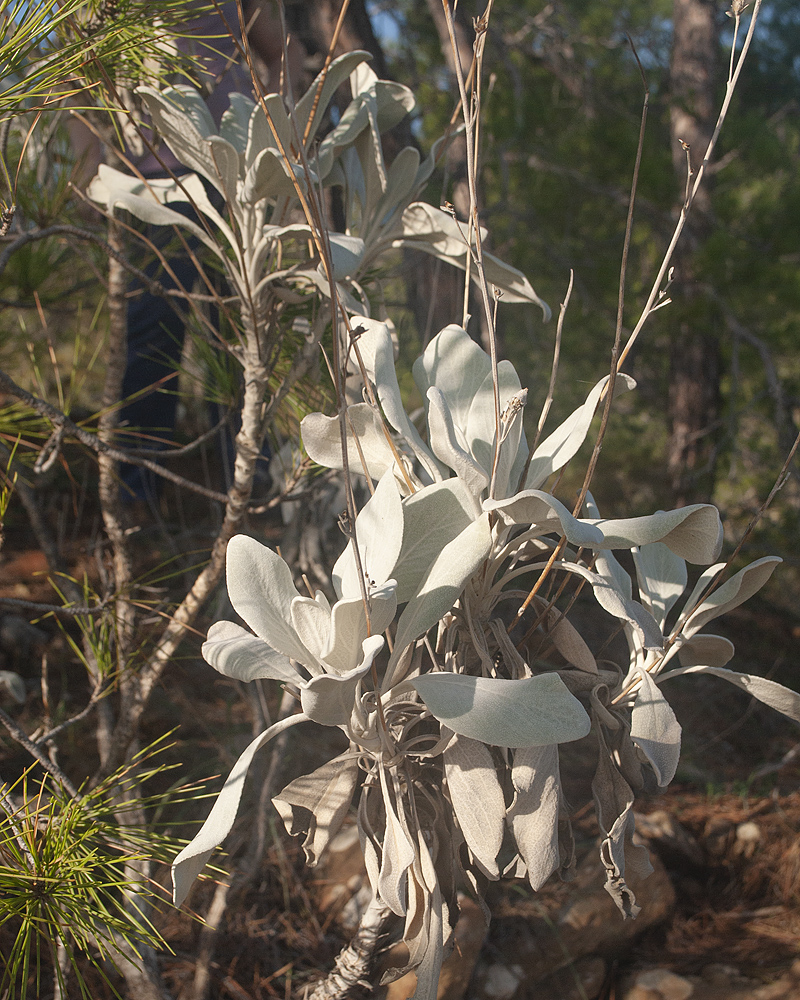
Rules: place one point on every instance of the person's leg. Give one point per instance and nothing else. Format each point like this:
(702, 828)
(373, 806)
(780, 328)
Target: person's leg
(155, 343)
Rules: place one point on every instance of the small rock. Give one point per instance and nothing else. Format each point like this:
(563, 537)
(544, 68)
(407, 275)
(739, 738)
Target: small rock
(748, 836)
(659, 984)
(501, 981)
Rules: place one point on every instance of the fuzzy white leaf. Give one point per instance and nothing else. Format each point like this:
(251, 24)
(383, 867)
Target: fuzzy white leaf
(260, 133)
(270, 176)
(534, 711)
(235, 124)
(377, 352)
(442, 436)
(152, 212)
(261, 590)
(396, 858)
(181, 116)
(322, 441)
(347, 252)
(533, 815)
(348, 626)
(432, 518)
(435, 232)
(326, 85)
(443, 583)
(661, 576)
(557, 449)
(401, 180)
(149, 200)
(234, 652)
(731, 594)
(480, 427)
(615, 603)
(477, 799)
(194, 857)
(13, 685)
(316, 804)
(707, 650)
(329, 698)
(379, 534)
(693, 532)
(312, 623)
(781, 698)
(655, 730)
(457, 367)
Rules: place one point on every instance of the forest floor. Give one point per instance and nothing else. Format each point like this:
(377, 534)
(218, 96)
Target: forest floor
(727, 832)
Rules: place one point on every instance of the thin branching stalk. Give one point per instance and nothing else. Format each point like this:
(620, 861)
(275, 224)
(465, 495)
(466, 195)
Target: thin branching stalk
(469, 125)
(652, 300)
(623, 271)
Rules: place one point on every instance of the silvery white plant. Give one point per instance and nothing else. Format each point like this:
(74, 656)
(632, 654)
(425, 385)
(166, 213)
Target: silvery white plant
(452, 715)
(451, 704)
(267, 168)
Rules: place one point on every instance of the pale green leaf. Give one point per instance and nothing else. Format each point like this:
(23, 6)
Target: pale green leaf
(533, 815)
(732, 593)
(234, 652)
(443, 583)
(557, 449)
(655, 730)
(261, 590)
(477, 799)
(329, 698)
(534, 711)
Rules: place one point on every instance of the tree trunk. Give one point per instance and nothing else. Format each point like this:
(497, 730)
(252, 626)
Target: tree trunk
(694, 343)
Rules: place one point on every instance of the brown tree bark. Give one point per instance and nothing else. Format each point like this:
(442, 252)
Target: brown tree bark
(694, 343)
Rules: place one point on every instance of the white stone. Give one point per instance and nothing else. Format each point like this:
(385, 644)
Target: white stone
(502, 981)
(666, 984)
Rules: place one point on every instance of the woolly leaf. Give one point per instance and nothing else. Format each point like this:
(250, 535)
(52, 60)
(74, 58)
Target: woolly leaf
(534, 711)
(234, 652)
(477, 799)
(316, 804)
(655, 730)
(732, 593)
(557, 449)
(533, 815)
(443, 583)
